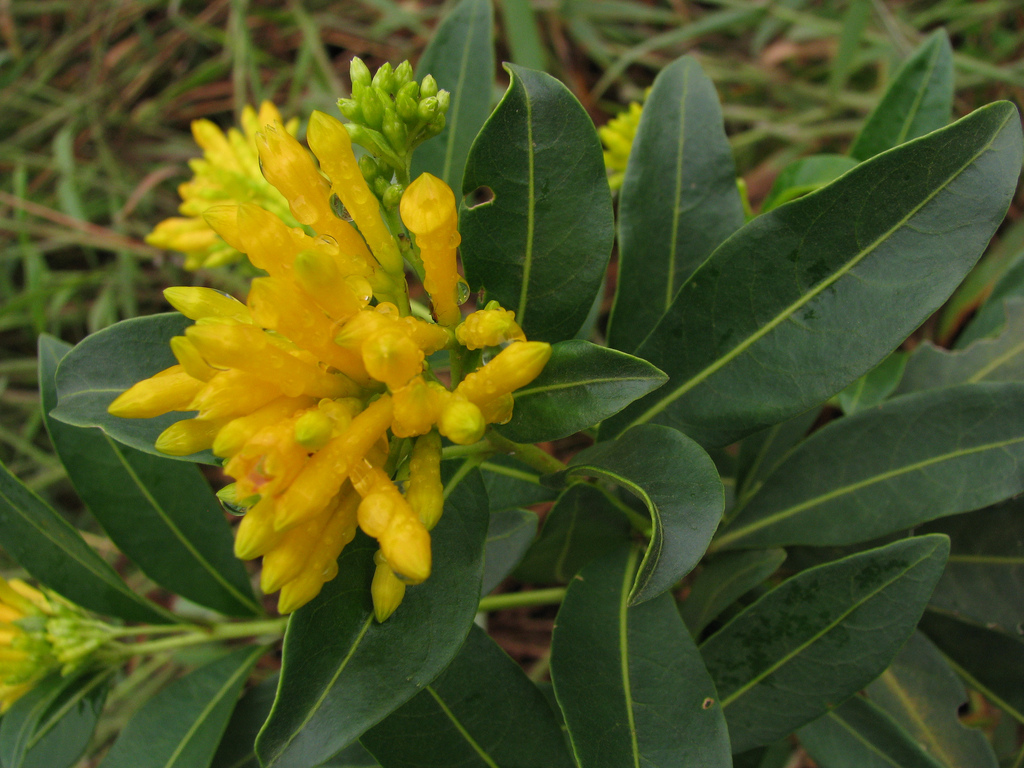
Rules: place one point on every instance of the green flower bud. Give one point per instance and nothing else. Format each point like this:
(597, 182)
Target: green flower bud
(350, 109)
(380, 186)
(403, 74)
(372, 109)
(428, 87)
(359, 73)
(428, 109)
(443, 100)
(369, 168)
(385, 78)
(395, 131)
(406, 108)
(435, 126)
(392, 196)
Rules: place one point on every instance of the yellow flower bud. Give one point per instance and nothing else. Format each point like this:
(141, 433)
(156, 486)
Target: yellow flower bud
(233, 393)
(417, 407)
(313, 429)
(256, 533)
(430, 337)
(462, 422)
(498, 410)
(170, 390)
(223, 219)
(181, 234)
(233, 435)
(514, 367)
(428, 210)
(188, 436)
(406, 545)
(288, 166)
(340, 290)
(331, 144)
(286, 559)
(195, 303)
(489, 328)
(387, 590)
(392, 357)
(268, 461)
(424, 490)
(375, 512)
(191, 360)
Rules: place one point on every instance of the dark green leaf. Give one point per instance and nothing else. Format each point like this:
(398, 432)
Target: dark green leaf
(53, 552)
(482, 711)
(582, 526)
(181, 726)
(987, 660)
(724, 579)
(461, 58)
(919, 100)
(106, 364)
(342, 672)
(804, 176)
(541, 245)
(922, 694)
(511, 484)
(895, 466)
(775, 664)
(509, 533)
(998, 359)
(762, 330)
(50, 726)
(678, 201)
(761, 452)
(875, 385)
(855, 19)
(678, 483)
(160, 513)
(777, 755)
(860, 735)
(629, 680)
(581, 385)
(522, 34)
(984, 579)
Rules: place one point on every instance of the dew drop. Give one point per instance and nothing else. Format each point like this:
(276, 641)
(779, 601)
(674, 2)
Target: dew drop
(360, 286)
(338, 208)
(328, 241)
(359, 196)
(461, 291)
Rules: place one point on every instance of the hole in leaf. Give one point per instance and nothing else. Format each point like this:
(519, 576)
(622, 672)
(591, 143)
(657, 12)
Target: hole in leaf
(479, 196)
(708, 703)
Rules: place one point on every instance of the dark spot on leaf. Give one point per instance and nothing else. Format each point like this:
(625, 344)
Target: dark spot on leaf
(479, 196)
(708, 703)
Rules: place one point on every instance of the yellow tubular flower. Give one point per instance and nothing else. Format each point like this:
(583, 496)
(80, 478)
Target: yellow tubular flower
(489, 327)
(425, 491)
(198, 303)
(428, 210)
(514, 367)
(170, 390)
(387, 590)
(418, 407)
(256, 533)
(617, 136)
(189, 436)
(331, 144)
(228, 172)
(461, 421)
(237, 432)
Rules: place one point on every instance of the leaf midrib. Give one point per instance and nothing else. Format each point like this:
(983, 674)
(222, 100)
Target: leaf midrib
(888, 679)
(582, 383)
(624, 655)
(786, 658)
(481, 753)
(835, 493)
(449, 149)
(915, 107)
(673, 241)
(787, 312)
(530, 205)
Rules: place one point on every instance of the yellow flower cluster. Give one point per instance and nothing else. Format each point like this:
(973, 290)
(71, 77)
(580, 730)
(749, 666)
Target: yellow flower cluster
(617, 136)
(317, 390)
(26, 655)
(229, 171)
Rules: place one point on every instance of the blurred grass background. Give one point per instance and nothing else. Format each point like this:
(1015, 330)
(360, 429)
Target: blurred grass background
(96, 99)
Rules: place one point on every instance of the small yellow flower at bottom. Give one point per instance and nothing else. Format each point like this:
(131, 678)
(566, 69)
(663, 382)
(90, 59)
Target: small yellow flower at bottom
(387, 590)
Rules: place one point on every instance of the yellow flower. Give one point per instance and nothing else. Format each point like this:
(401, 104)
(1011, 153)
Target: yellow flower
(617, 136)
(306, 388)
(228, 172)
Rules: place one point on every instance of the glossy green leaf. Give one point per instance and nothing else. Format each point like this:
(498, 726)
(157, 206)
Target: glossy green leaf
(160, 513)
(989, 661)
(984, 579)
(761, 452)
(629, 680)
(481, 712)
(182, 725)
(678, 201)
(107, 363)
(804, 176)
(776, 664)
(723, 580)
(922, 694)
(678, 483)
(860, 735)
(919, 100)
(460, 56)
(342, 672)
(540, 246)
(522, 35)
(889, 468)
(55, 554)
(50, 726)
(581, 385)
(874, 386)
(998, 359)
(582, 526)
(237, 747)
(509, 534)
(762, 330)
(511, 484)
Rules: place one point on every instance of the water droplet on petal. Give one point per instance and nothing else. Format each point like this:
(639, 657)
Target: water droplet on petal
(338, 208)
(360, 286)
(461, 291)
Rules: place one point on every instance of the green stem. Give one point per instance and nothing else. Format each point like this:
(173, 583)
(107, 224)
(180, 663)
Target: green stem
(212, 634)
(530, 455)
(521, 599)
